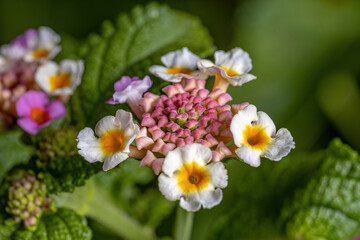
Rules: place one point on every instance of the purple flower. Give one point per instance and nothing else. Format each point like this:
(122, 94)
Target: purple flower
(130, 90)
(35, 111)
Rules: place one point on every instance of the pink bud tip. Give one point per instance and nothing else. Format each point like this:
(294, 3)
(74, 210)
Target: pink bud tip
(212, 104)
(198, 133)
(223, 108)
(203, 142)
(191, 123)
(166, 148)
(143, 142)
(203, 93)
(190, 84)
(226, 115)
(200, 83)
(166, 137)
(148, 159)
(216, 93)
(157, 165)
(211, 140)
(224, 98)
(180, 142)
(238, 107)
(148, 122)
(189, 140)
(158, 145)
(214, 127)
(170, 90)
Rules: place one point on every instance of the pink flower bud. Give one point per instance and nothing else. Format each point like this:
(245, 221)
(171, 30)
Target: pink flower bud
(224, 98)
(238, 107)
(198, 133)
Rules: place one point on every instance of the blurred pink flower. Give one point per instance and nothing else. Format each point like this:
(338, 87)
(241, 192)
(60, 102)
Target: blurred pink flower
(35, 111)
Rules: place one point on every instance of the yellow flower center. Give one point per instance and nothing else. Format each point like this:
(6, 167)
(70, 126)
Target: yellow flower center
(230, 72)
(60, 81)
(193, 177)
(39, 115)
(112, 141)
(177, 70)
(40, 53)
(256, 137)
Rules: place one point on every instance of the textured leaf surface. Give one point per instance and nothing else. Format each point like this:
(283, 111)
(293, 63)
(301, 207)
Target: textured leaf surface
(64, 224)
(12, 151)
(129, 46)
(329, 207)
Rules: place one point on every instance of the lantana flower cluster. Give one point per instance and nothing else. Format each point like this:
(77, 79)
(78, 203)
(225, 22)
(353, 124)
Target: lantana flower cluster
(187, 132)
(28, 78)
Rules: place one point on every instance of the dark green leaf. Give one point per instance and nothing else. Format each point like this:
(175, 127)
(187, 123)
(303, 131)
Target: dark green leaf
(12, 151)
(329, 207)
(64, 224)
(129, 46)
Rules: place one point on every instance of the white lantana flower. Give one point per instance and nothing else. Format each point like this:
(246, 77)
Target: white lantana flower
(60, 79)
(178, 64)
(188, 176)
(255, 135)
(233, 66)
(44, 45)
(116, 134)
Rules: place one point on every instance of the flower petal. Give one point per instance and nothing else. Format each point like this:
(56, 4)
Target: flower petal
(236, 59)
(190, 202)
(28, 125)
(105, 124)
(113, 160)
(280, 146)
(43, 73)
(249, 156)
(56, 109)
(89, 146)
(210, 198)
(265, 121)
(239, 122)
(180, 58)
(169, 187)
(218, 173)
(196, 153)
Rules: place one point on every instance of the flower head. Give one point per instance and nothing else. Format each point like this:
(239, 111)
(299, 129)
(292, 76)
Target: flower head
(185, 115)
(60, 79)
(188, 176)
(178, 64)
(115, 136)
(232, 67)
(35, 111)
(32, 45)
(255, 136)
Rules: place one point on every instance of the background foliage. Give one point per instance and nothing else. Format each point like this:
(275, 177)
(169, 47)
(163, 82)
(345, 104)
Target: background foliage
(306, 57)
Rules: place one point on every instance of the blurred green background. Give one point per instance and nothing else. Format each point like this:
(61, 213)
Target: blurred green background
(306, 55)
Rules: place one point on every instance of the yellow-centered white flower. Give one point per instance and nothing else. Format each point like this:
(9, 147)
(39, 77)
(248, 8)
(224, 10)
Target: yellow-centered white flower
(178, 64)
(233, 66)
(255, 135)
(115, 136)
(60, 79)
(44, 45)
(188, 176)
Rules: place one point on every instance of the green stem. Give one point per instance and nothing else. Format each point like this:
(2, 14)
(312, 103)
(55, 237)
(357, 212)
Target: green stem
(117, 220)
(183, 224)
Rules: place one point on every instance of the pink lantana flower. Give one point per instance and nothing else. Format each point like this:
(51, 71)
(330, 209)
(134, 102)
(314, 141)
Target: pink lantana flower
(130, 90)
(35, 111)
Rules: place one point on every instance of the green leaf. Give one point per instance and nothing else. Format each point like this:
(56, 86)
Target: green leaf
(12, 151)
(64, 224)
(128, 47)
(329, 206)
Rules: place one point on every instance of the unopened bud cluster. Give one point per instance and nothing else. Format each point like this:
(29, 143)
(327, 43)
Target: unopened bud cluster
(27, 199)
